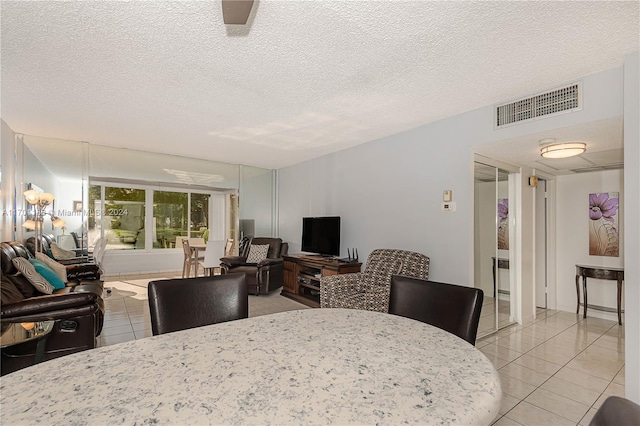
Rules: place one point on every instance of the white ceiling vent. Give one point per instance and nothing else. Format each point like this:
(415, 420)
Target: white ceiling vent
(557, 101)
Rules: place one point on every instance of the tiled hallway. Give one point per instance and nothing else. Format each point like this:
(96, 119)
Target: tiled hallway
(556, 371)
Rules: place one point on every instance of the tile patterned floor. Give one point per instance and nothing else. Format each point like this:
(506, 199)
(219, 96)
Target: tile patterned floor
(556, 371)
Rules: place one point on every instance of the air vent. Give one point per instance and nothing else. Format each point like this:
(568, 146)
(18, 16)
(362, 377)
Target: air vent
(558, 101)
(599, 168)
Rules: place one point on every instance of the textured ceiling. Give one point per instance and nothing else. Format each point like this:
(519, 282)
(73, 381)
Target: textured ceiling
(303, 79)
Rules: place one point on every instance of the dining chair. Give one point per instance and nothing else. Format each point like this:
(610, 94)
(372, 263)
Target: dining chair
(453, 308)
(189, 259)
(180, 304)
(228, 248)
(98, 253)
(178, 241)
(212, 255)
(617, 411)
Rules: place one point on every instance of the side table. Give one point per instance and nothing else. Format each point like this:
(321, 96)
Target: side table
(601, 273)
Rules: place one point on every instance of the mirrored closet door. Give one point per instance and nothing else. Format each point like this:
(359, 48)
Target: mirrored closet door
(494, 192)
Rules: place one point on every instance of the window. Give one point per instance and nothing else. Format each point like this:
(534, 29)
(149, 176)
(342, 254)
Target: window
(120, 219)
(118, 214)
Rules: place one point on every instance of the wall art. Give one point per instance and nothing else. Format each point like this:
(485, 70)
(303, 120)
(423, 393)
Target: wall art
(503, 224)
(603, 224)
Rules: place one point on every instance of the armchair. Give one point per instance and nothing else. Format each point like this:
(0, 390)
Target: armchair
(369, 290)
(264, 275)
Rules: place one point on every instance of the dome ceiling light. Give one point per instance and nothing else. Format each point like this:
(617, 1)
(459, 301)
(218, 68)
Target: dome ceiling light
(550, 149)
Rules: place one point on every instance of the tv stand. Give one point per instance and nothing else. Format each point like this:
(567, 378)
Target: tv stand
(302, 273)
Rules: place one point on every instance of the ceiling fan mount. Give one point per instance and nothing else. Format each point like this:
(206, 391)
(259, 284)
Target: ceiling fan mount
(236, 12)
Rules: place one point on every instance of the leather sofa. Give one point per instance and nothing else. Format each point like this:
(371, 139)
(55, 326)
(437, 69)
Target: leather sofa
(262, 277)
(77, 312)
(78, 268)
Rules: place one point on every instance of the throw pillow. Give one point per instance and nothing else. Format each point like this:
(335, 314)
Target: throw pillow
(58, 268)
(26, 268)
(60, 253)
(47, 273)
(257, 253)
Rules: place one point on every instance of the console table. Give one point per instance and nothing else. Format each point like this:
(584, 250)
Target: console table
(601, 273)
(302, 275)
(501, 264)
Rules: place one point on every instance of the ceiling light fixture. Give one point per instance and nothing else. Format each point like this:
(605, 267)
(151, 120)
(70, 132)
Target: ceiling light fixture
(561, 150)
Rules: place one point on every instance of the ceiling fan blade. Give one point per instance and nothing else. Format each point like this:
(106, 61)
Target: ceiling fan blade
(236, 11)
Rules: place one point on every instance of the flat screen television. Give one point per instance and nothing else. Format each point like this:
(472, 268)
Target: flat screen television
(321, 235)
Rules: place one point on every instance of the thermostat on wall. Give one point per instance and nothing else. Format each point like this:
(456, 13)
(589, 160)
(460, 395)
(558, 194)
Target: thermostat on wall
(448, 207)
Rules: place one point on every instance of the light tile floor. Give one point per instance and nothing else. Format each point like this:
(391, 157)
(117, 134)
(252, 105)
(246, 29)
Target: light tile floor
(555, 371)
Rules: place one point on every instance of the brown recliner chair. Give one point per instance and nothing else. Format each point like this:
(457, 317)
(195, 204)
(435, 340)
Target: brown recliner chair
(78, 268)
(77, 312)
(265, 275)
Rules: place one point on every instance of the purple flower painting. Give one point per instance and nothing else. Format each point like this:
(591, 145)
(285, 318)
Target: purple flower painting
(603, 220)
(503, 224)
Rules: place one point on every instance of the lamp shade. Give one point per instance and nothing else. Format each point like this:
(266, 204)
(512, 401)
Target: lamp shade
(29, 224)
(563, 150)
(32, 196)
(47, 198)
(57, 222)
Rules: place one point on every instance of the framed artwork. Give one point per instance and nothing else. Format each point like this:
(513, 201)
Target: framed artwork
(603, 224)
(503, 224)
(77, 206)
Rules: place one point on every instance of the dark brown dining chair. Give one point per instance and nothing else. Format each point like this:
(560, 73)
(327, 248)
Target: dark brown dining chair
(453, 308)
(617, 411)
(179, 304)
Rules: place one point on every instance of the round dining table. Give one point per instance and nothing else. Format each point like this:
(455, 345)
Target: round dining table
(305, 367)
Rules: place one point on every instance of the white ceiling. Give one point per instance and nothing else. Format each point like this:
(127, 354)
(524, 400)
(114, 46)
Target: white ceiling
(303, 79)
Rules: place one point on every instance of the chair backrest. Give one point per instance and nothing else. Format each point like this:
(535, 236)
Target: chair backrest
(76, 240)
(228, 248)
(98, 250)
(180, 304)
(453, 308)
(179, 240)
(186, 248)
(213, 253)
(275, 246)
(383, 263)
(617, 411)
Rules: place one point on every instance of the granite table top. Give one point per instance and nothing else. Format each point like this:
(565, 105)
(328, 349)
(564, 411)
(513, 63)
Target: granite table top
(312, 366)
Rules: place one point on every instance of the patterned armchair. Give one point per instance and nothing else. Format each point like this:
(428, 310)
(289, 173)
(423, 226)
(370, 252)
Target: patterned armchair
(369, 290)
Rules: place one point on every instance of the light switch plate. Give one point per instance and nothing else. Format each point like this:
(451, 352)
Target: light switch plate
(447, 195)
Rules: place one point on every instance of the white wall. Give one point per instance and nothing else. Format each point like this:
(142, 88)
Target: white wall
(632, 231)
(68, 192)
(388, 192)
(572, 239)
(256, 199)
(7, 148)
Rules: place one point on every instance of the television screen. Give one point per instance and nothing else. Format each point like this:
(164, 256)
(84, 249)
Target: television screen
(321, 235)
